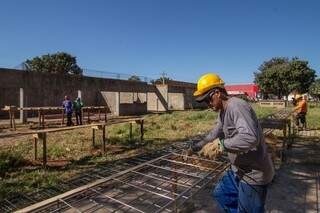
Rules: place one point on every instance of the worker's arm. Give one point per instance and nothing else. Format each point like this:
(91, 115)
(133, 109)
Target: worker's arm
(247, 129)
(215, 133)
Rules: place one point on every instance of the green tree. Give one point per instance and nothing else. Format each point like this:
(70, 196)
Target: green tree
(314, 89)
(60, 62)
(161, 80)
(280, 76)
(134, 78)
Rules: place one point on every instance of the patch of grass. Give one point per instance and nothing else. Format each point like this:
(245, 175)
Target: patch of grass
(313, 117)
(263, 111)
(57, 151)
(10, 159)
(76, 146)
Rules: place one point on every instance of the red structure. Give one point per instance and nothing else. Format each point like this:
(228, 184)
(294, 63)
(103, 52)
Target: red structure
(251, 90)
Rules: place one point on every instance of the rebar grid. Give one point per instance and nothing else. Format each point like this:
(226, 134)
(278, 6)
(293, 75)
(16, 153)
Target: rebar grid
(160, 185)
(19, 200)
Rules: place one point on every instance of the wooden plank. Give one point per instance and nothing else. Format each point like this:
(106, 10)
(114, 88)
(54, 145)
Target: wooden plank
(110, 122)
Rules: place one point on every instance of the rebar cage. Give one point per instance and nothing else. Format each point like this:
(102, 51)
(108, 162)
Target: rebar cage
(159, 185)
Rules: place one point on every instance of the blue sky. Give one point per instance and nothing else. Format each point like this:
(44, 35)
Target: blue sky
(184, 38)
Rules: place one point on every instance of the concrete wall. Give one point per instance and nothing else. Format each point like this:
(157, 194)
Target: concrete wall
(181, 96)
(43, 89)
(121, 96)
(157, 98)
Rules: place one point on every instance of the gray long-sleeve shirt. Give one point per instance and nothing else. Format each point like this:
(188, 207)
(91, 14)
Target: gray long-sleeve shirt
(244, 141)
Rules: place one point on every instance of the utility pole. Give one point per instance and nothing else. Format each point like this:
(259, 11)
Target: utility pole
(163, 75)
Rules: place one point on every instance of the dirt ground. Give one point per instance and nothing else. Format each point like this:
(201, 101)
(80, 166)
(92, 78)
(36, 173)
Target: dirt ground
(296, 184)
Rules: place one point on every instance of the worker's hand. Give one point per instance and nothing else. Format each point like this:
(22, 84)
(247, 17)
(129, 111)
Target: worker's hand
(212, 150)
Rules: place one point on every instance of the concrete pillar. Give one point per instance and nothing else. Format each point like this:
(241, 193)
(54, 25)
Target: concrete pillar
(117, 104)
(22, 115)
(79, 94)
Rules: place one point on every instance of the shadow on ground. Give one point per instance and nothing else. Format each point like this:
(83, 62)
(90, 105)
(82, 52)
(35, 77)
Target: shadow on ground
(296, 185)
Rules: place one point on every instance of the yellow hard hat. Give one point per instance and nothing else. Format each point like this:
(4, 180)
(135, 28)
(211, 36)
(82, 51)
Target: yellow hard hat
(297, 96)
(207, 82)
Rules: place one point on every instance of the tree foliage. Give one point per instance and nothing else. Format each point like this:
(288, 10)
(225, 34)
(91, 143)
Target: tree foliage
(161, 80)
(280, 76)
(134, 78)
(61, 62)
(314, 89)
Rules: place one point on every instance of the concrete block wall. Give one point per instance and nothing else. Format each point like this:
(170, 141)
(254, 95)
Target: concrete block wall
(121, 96)
(44, 89)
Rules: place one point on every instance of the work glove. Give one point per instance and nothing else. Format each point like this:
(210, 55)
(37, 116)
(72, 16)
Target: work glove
(212, 150)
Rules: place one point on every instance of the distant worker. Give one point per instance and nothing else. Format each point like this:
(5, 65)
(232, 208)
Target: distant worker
(243, 188)
(77, 107)
(67, 106)
(301, 111)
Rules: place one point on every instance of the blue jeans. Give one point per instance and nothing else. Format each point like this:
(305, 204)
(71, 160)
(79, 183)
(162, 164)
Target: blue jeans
(234, 195)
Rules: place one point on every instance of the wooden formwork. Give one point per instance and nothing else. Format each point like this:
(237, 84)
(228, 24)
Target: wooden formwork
(44, 112)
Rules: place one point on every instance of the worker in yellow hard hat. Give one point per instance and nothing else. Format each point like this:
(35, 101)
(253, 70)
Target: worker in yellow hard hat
(243, 188)
(301, 111)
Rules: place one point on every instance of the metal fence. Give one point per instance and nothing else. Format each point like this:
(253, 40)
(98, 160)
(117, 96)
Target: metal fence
(114, 75)
(105, 74)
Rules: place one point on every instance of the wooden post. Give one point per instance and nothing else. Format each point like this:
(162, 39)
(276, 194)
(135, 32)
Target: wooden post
(82, 121)
(35, 146)
(62, 115)
(290, 135)
(284, 143)
(103, 150)
(99, 115)
(88, 115)
(42, 115)
(141, 130)
(44, 140)
(10, 117)
(130, 131)
(93, 136)
(39, 117)
(105, 114)
(13, 118)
